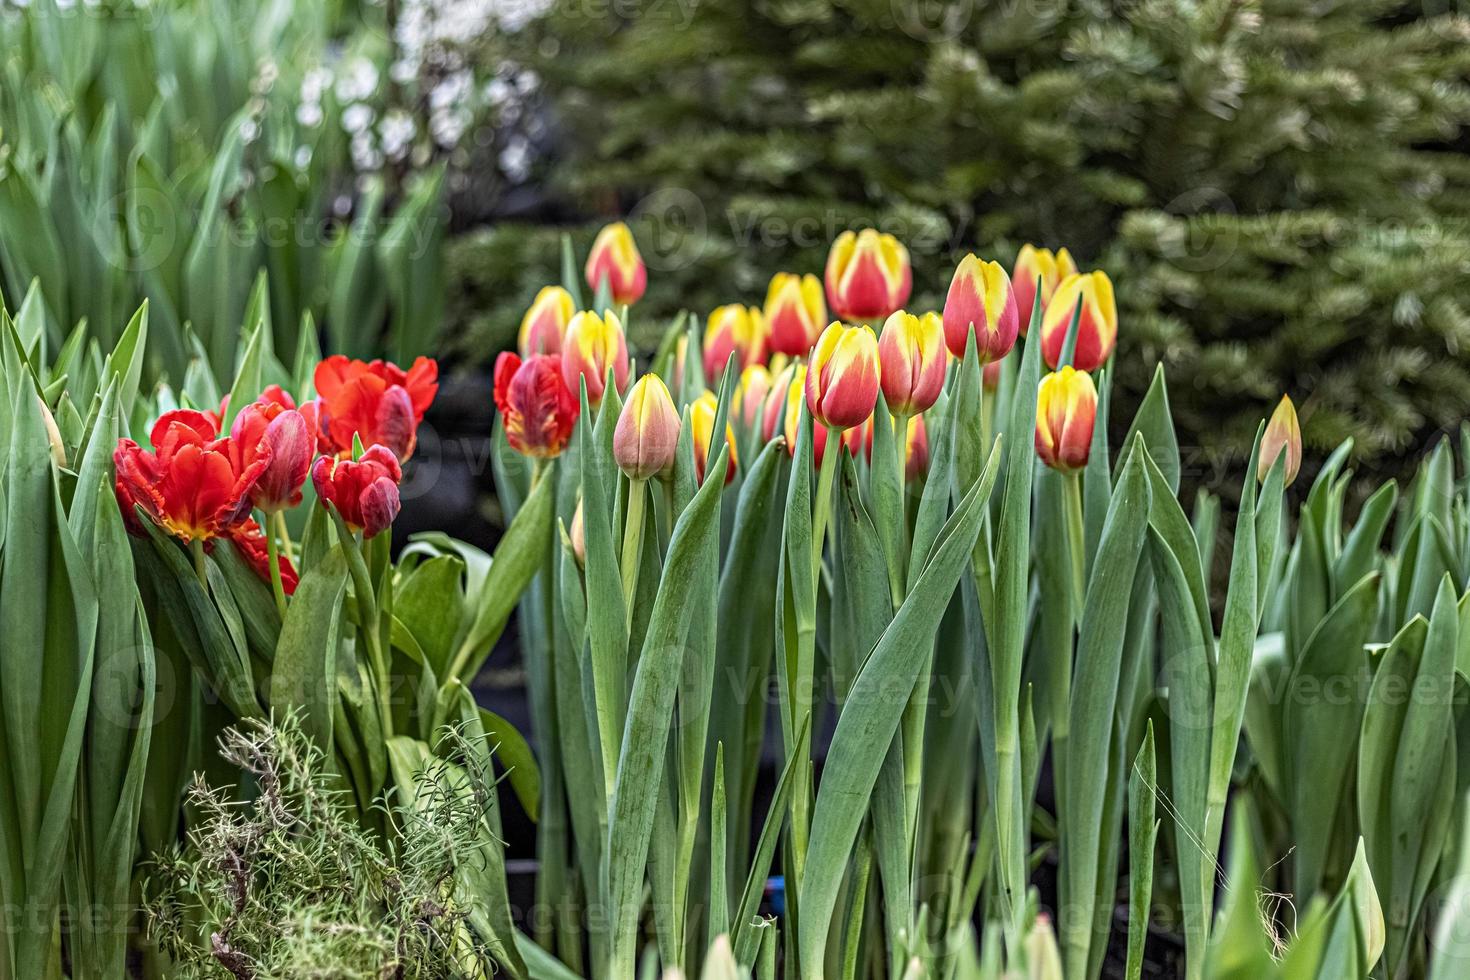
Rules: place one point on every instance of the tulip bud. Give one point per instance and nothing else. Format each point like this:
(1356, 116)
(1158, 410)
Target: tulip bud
(990, 375)
(546, 322)
(615, 257)
(750, 397)
(1097, 325)
(1043, 959)
(592, 345)
(794, 313)
(737, 330)
(980, 296)
(1033, 266)
(1066, 409)
(364, 490)
(647, 433)
(578, 534)
(842, 377)
(868, 275)
(53, 435)
(912, 362)
(702, 428)
(536, 408)
(266, 429)
(918, 449)
(1283, 434)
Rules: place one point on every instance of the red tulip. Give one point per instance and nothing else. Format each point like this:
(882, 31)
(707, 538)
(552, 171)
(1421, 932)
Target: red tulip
(980, 296)
(868, 275)
(364, 490)
(191, 485)
(842, 378)
(615, 257)
(535, 404)
(272, 426)
(249, 540)
(378, 402)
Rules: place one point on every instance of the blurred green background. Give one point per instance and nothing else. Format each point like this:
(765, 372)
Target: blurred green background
(1279, 188)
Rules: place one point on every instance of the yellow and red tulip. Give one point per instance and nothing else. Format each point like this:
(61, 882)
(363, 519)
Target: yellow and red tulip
(647, 434)
(912, 362)
(750, 397)
(615, 257)
(1066, 411)
(593, 345)
(795, 312)
(842, 376)
(536, 407)
(1038, 265)
(918, 449)
(868, 275)
(702, 428)
(1097, 324)
(1283, 435)
(980, 297)
(545, 323)
(733, 329)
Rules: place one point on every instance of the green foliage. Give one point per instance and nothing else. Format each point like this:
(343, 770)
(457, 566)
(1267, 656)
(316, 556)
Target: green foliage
(1272, 186)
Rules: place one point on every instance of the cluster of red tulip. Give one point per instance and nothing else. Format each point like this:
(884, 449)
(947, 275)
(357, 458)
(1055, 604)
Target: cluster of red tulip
(785, 353)
(199, 485)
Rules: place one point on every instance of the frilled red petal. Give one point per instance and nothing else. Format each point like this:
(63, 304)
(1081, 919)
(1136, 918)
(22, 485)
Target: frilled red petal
(422, 384)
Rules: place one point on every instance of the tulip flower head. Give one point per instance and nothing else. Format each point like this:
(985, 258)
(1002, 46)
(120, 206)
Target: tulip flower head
(980, 297)
(795, 311)
(272, 427)
(192, 485)
(750, 397)
(1038, 266)
(592, 345)
(842, 377)
(536, 407)
(918, 449)
(1097, 324)
(546, 322)
(912, 362)
(868, 275)
(1066, 410)
(647, 434)
(1283, 435)
(737, 330)
(578, 534)
(378, 402)
(615, 257)
(364, 490)
(702, 427)
(249, 540)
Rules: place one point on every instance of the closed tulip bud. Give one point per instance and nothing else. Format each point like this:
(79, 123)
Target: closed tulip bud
(842, 376)
(1066, 410)
(912, 362)
(918, 449)
(364, 490)
(615, 257)
(1283, 434)
(737, 330)
(868, 275)
(1043, 959)
(545, 323)
(536, 407)
(1033, 266)
(1097, 324)
(702, 428)
(795, 312)
(980, 297)
(647, 433)
(750, 397)
(578, 534)
(990, 375)
(53, 435)
(592, 345)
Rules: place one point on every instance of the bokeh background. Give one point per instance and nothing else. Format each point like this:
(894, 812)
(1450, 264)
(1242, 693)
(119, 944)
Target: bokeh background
(1279, 188)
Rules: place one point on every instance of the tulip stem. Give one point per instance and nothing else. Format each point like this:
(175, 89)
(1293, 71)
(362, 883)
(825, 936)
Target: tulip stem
(272, 557)
(1073, 484)
(196, 548)
(278, 522)
(824, 498)
(633, 542)
(987, 417)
